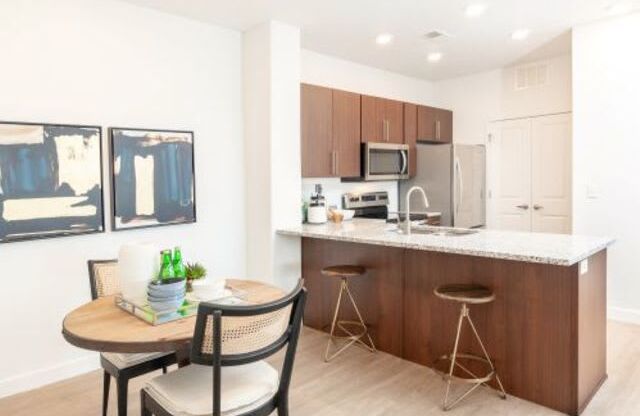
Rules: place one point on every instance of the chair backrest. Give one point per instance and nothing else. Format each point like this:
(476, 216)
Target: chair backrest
(227, 335)
(103, 277)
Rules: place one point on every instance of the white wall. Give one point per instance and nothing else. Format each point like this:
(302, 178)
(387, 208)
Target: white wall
(113, 64)
(272, 122)
(606, 95)
(328, 71)
(480, 98)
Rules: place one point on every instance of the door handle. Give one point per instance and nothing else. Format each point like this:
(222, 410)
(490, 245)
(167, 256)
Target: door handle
(386, 130)
(437, 129)
(537, 207)
(333, 162)
(523, 206)
(405, 163)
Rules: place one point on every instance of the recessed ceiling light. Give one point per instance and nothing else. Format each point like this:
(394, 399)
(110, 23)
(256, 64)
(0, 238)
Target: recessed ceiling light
(618, 8)
(475, 10)
(384, 38)
(520, 34)
(434, 57)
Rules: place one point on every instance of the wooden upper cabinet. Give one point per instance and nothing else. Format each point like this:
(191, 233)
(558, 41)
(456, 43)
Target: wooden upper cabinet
(316, 123)
(346, 133)
(435, 124)
(382, 120)
(411, 134)
(445, 118)
(330, 132)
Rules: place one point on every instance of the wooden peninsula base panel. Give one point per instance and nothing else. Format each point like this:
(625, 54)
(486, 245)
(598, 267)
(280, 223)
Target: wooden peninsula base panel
(546, 330)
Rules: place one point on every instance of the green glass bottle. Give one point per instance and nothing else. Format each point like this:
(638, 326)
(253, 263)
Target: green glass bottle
(166, 269)
(178, 265)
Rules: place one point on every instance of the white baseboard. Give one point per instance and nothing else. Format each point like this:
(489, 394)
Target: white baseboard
(628, 315)
(41, 377)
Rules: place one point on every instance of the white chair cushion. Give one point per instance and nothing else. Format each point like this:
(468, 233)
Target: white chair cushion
(189, 390)
(129, 360)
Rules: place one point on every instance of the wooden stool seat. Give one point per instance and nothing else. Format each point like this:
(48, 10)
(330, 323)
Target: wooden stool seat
(343, 270)
(465, 293)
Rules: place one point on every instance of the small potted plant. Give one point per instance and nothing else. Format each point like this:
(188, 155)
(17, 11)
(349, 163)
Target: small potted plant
(194, 271)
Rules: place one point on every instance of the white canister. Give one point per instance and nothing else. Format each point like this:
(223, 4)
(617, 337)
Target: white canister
(138, 264)
(317, 214)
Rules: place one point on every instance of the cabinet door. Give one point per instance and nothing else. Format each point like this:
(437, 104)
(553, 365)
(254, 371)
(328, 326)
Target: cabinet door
(427, 117)
(346, 133)
(315, 128)
(435, 124)
(382, 120)
(411, 134)
(444, 126)
(394, 119)
(372, 119)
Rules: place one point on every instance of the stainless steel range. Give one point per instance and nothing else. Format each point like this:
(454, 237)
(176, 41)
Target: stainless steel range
(368, 204)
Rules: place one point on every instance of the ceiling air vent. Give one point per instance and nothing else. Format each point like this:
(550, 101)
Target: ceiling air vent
(436, 35)
(532, 75)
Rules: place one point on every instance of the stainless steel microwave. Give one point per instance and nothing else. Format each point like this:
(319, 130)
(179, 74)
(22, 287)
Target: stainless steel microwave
(385, 161)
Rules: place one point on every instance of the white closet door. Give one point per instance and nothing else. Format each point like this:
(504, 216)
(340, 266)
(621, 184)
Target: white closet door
(551, 173)
(509, 169)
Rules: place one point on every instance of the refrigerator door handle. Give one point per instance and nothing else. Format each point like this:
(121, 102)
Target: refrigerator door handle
(459, 180)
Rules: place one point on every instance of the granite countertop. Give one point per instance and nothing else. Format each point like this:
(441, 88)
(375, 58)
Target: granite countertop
(558, 249)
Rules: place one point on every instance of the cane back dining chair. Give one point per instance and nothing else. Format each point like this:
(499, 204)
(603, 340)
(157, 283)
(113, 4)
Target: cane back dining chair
(103, 277)
(228, 375)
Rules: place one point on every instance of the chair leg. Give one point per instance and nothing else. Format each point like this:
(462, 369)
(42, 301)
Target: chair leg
(164, 369)
(371, 347)
(283, 405)
(143, 405)
(122, 384)
(502, 392)
(106, 383)
(445, 404)
(333, 323)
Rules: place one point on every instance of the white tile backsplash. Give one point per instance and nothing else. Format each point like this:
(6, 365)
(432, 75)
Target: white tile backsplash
(333, 188)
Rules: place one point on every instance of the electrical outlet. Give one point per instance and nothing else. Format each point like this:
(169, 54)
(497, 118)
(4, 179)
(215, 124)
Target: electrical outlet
(584, 266)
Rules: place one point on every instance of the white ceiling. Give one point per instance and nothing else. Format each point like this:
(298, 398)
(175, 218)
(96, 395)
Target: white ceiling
(347, 28)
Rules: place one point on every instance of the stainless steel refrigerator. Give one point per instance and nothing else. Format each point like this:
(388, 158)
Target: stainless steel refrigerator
(454, 177)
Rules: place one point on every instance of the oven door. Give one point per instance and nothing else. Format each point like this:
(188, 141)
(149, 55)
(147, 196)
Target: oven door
(385, 161)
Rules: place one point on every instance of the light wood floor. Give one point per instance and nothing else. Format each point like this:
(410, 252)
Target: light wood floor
(358, 383)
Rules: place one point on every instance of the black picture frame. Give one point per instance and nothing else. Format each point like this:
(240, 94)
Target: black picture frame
(114, 187)
(68, 233)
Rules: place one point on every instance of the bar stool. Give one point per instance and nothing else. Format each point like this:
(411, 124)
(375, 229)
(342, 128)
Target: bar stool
(466, 294)
(355, 331)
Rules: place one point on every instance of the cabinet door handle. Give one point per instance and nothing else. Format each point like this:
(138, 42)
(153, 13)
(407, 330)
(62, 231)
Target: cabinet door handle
(537, 207)
(437, 129)
(386, 130)
(523, 206)
(333, 162)
(337, 162)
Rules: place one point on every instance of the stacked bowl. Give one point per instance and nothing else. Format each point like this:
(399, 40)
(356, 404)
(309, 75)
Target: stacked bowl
(166, 294)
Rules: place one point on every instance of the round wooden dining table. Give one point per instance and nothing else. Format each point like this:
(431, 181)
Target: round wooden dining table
(102, 326)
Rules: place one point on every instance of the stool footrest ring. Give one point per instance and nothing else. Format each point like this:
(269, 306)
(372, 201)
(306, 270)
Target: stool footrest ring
(473, 379)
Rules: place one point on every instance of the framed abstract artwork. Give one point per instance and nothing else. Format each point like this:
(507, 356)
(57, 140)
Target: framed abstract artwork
(153, 179)
(50, 180)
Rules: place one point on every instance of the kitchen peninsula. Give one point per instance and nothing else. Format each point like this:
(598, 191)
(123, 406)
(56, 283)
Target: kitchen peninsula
(546, 330)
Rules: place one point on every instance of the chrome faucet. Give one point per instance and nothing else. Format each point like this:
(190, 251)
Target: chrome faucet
(406, 225)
